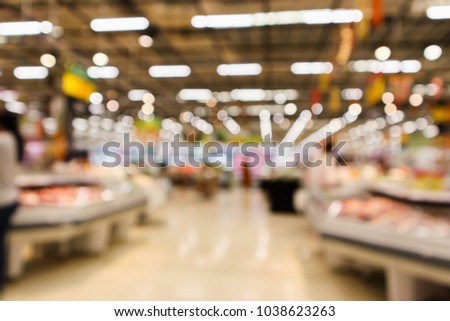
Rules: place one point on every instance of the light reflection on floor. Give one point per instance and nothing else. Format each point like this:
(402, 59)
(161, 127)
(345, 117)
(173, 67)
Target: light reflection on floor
(227, 248)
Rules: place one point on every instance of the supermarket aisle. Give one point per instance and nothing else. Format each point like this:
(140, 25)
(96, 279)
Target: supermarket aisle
(229, 248)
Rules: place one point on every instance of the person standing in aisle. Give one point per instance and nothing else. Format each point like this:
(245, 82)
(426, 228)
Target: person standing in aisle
(11, 151)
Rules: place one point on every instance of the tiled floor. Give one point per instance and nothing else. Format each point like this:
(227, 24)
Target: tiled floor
(227, 248)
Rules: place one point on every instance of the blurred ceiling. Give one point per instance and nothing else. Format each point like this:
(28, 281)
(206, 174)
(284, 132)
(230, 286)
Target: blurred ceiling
(405, 29)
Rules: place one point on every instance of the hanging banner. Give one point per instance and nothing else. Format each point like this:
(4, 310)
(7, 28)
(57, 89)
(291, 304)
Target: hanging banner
(335, 99)
(316, 96)
(324, 82)
(76, 83)
(376, 86)
(441, 113)
(400, 86)
(377, 12)
(363, 27)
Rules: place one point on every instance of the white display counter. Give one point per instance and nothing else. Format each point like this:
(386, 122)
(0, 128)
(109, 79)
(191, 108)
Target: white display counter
(87, 227)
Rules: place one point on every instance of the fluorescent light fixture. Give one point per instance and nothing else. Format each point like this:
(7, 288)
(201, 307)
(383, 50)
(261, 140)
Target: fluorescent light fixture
(259, 19)
(96, 98)
(232, 126)
(16, 107)
(438, 12)
(137, 94)
(298, 127)
(290, 109)
(382, 53)
(104, 72)
(173, 71)
(311, 68)
(432, 52)
(352, 94)
(9, 96)
(411, 66)
(119, 24)
(252, 69)
(248, 94)
(200, 95)
(31, 72)
(387, 67)
(48, 60)
(25, 28)
(100, 59)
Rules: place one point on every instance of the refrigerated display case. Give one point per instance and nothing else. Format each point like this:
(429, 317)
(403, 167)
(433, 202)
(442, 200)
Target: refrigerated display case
(410, 241)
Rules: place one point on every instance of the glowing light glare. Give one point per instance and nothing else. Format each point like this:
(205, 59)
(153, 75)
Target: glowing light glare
(317, 109)
(145, 41)
(31, 72)
(382, 53)
(96, 98)
(352, 94)
(232, 126)
(416, 100)
(100, 59)
(16, 107)
(387, 98)
(387, 67)
(421, 123)
(148, 98)
(311, 68)
(409, 127)
(119, 24)
(96, 109)
(137, 94)
(290, 109)
(395, 131)
(148, 109)
(431, 131)
(390, 109)
(278, 118)
(280, 98)
(104, 72)
(186, 116)
(381, 123)
(248, 94)
(25, 28)
(410, 66)
(305, 115)
(48, 60)
(112, 105)
(201, 95)
(9, 95)
(432, 52)
(259, 19)
(251, 69)
(438, 12)
(222, 115)
(172, 71)
(355, 109)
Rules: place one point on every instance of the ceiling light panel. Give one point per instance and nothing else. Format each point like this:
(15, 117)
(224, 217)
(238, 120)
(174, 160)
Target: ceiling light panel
(251, 69)
(320, 16)
(119, 24)
(172, 71)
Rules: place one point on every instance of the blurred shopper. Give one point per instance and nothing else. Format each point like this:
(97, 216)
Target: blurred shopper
(11, 152)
